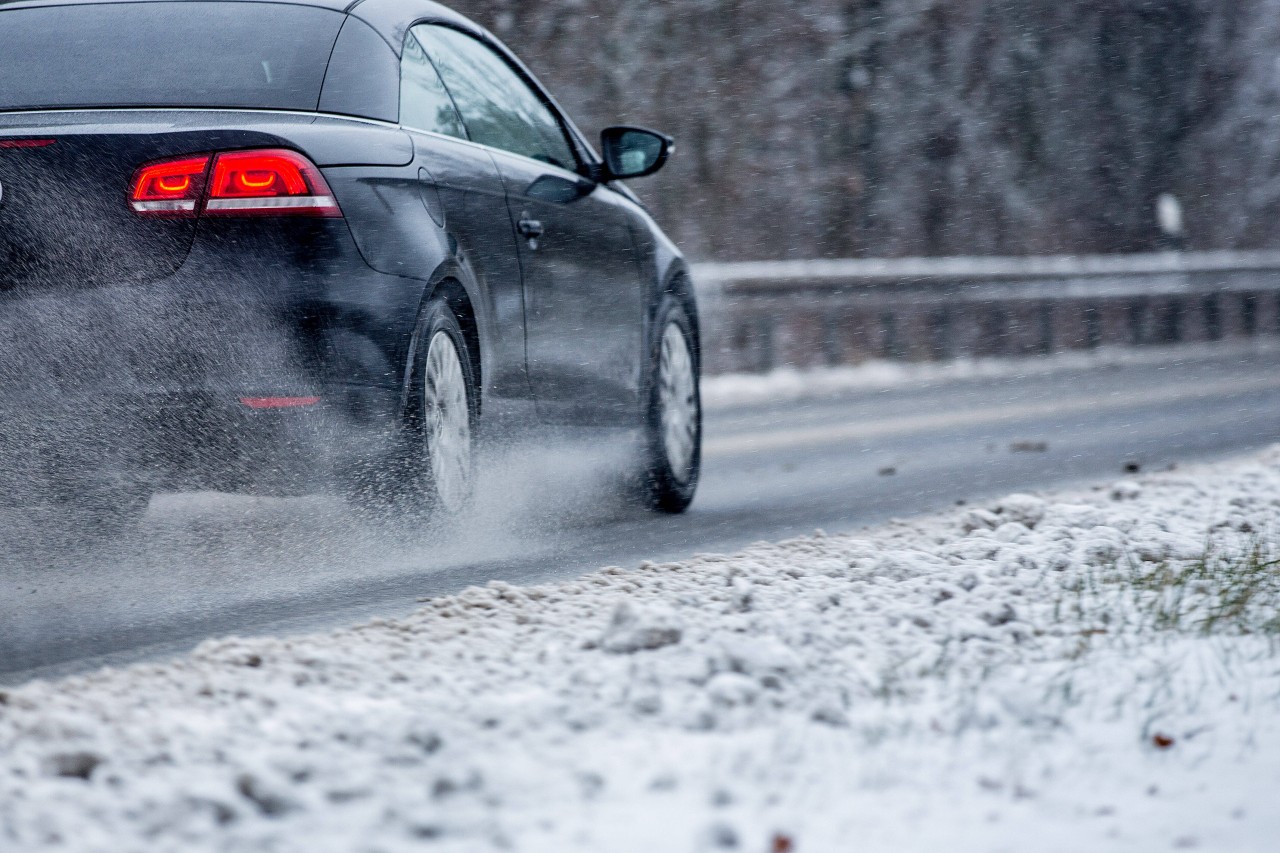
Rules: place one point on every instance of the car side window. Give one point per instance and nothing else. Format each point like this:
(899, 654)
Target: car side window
(498, 107)
(424, 102)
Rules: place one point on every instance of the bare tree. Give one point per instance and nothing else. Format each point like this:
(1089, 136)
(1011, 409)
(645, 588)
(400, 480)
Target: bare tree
(812, 128)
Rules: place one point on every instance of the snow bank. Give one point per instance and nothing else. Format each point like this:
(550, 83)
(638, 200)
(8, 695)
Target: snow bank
(784, 384)
(1040, 673)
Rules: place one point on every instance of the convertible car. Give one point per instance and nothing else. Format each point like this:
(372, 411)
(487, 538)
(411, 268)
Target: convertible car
(265, 246)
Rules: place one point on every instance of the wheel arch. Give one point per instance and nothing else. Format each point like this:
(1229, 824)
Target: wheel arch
(679, 283)
(448, 283)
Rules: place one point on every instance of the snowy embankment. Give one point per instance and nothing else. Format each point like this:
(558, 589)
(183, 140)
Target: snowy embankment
(1091, 671)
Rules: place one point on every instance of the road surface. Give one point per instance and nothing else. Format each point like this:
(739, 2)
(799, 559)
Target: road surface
(203, 565)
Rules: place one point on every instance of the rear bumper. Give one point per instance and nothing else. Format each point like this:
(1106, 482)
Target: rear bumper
(183, 444)
(150, 377)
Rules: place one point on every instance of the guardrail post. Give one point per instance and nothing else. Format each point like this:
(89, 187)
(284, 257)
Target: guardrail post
(1249, 314)
(1171, 321)
(1045, 315)
(1211, 316)
(940, 334)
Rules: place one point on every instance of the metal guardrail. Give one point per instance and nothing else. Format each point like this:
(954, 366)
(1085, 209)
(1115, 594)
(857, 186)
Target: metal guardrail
(880, 270)
(766, 314)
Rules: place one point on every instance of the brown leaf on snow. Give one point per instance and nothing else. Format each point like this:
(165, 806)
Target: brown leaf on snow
(782, 844)
(1162, 740)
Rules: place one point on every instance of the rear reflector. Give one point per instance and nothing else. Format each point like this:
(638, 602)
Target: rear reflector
(25, 143)
(279, 402)
(269, 182)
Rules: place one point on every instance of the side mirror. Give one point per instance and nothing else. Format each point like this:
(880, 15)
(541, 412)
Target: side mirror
(633, 152)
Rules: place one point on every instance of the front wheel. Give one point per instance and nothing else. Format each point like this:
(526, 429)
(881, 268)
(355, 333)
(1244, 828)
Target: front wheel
(673, 417)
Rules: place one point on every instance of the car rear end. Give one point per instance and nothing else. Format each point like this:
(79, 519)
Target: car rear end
(182, 302)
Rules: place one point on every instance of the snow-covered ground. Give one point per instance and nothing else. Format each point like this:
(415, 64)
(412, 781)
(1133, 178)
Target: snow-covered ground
(744, 389)
(1088, 671)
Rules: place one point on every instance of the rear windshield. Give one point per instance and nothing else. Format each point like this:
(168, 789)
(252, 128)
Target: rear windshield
(256, 55)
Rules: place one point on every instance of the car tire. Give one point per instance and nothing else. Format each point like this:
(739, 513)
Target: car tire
(444, 409)
(109, 514)
(430, 472)
(96, 515)
(672, 445)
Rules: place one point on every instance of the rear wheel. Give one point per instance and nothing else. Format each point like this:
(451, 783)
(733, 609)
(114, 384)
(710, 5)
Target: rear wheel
(448, 391)
(99, 513)
(108, 514)
(432, 471)
(673, 418)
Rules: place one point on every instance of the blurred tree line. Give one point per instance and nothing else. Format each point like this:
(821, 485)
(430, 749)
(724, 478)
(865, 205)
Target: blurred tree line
(832, 128)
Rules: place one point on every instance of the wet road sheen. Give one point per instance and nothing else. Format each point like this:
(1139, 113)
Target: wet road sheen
(207, 565)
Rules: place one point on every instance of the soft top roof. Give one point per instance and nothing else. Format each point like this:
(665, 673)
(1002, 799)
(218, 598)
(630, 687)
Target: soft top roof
(249, 55)
(386, 16)
(336, 5)
(410, 8)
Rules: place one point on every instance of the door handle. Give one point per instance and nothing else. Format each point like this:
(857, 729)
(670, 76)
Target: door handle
(530, 229)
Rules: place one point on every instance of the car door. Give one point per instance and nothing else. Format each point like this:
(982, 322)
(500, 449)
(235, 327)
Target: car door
(583, 290)
(465, 194)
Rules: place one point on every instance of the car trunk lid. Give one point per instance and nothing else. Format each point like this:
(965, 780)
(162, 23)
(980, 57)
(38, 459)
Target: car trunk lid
(64, 214)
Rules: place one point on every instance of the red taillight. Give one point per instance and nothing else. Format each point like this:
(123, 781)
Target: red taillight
(271, 182)
(26, 143)
(171, 188)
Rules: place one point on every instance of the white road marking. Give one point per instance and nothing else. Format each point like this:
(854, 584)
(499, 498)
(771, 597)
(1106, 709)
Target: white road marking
(816, 436)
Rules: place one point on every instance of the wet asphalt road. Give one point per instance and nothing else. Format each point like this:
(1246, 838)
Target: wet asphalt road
(209, 565)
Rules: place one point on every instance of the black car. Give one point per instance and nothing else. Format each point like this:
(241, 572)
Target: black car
(259, 246)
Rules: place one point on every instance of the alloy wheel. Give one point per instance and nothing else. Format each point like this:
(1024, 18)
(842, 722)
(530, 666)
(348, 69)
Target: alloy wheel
(447, 422)
(678, 399)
